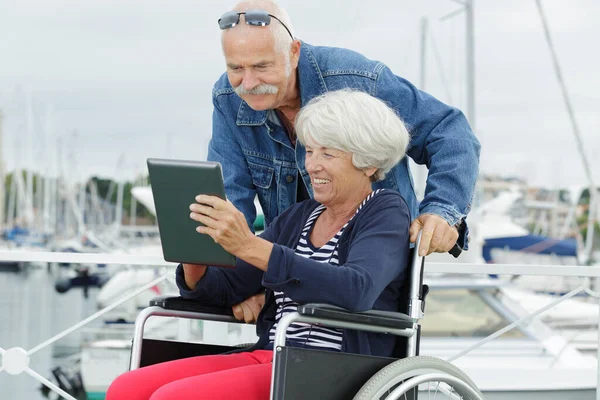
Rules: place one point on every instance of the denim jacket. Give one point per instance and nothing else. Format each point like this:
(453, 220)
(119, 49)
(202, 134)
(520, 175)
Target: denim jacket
(259, 159)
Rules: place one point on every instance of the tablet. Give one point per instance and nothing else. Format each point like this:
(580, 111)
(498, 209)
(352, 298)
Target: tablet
(175, 184)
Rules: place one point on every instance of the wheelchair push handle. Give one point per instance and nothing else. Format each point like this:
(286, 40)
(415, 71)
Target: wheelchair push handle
(456, 250)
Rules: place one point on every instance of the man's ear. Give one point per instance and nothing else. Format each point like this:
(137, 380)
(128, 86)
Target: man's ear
(295, 52)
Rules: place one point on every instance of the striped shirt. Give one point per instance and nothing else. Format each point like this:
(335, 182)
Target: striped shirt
(302, 334)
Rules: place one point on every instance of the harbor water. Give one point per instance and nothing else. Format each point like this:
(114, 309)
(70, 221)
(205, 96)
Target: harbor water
(31, 312)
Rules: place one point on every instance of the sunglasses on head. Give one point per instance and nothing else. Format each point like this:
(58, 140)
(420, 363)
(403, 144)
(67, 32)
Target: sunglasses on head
(252, 17)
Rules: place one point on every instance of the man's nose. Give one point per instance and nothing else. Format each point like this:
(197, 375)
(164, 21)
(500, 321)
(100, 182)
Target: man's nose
(249, 81)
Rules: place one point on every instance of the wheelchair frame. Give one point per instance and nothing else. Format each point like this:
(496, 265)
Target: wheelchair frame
(396, 323)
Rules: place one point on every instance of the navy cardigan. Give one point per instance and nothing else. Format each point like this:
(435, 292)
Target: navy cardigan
(373, 256)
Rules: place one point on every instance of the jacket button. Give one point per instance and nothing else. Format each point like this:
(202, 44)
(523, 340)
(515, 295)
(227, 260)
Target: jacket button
(289, 179)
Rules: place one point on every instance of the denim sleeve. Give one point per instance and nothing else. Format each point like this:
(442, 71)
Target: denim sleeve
(374, 259)
(441, 139)
(224, 148)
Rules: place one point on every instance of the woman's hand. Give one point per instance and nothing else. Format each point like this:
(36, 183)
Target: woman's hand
(228, 227)
(192, 274)
(223, 222)
(249, 309)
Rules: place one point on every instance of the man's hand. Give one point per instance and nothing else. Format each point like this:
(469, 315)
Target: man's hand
(249, 309)
(438, 236)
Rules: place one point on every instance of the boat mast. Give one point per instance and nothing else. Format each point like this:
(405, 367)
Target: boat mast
(423, 53)
(470, 54)
(586, 164)
(28, 192)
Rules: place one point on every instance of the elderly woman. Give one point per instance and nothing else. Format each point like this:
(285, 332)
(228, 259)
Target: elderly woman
(346, 247)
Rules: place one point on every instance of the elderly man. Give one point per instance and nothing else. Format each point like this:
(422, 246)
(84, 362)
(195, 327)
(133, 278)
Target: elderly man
(271, 75)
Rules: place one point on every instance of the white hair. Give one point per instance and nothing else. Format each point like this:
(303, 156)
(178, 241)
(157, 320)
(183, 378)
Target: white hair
(281, 37)
(357, 123)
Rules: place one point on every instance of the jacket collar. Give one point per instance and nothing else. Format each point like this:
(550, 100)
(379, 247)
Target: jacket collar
(310, 81)
(310, 78)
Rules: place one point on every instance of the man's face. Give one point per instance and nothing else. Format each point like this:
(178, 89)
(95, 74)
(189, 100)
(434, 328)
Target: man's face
(255, 69)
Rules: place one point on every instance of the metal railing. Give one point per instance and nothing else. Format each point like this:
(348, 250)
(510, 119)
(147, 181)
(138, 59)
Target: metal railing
(16, 360)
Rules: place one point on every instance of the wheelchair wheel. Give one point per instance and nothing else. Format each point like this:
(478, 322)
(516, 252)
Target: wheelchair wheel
(437, 377)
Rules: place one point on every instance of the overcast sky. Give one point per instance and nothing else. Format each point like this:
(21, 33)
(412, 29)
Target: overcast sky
(115, 82)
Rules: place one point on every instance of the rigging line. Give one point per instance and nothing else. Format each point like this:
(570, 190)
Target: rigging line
(459, 75)
(452, 14)
(563, 87)
(438, 60)
(576, 132)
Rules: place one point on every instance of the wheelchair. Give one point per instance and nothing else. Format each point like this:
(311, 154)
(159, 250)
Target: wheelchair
(300, 374)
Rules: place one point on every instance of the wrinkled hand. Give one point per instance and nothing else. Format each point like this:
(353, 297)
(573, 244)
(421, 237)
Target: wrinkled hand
(438, 236)
(223, 222)
(249, 309)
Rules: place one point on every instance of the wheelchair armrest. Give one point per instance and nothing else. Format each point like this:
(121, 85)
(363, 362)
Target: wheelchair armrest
(386, 319)
(178, 303)
(174, 306)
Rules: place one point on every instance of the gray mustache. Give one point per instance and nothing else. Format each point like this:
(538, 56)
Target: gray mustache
(263, 88)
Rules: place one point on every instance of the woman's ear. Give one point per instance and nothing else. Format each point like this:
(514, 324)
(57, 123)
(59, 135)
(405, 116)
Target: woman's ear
(369, 172)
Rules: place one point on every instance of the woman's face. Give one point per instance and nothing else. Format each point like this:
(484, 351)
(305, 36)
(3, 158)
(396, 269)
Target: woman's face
(335, 180)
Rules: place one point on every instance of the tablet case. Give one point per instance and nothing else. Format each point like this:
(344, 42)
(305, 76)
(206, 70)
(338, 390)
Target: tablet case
(175, 184)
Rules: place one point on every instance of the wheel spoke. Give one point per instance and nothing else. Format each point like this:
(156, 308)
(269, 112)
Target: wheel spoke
(436, 390)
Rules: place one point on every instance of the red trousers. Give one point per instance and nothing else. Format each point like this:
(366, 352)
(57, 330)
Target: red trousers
(219, 377)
